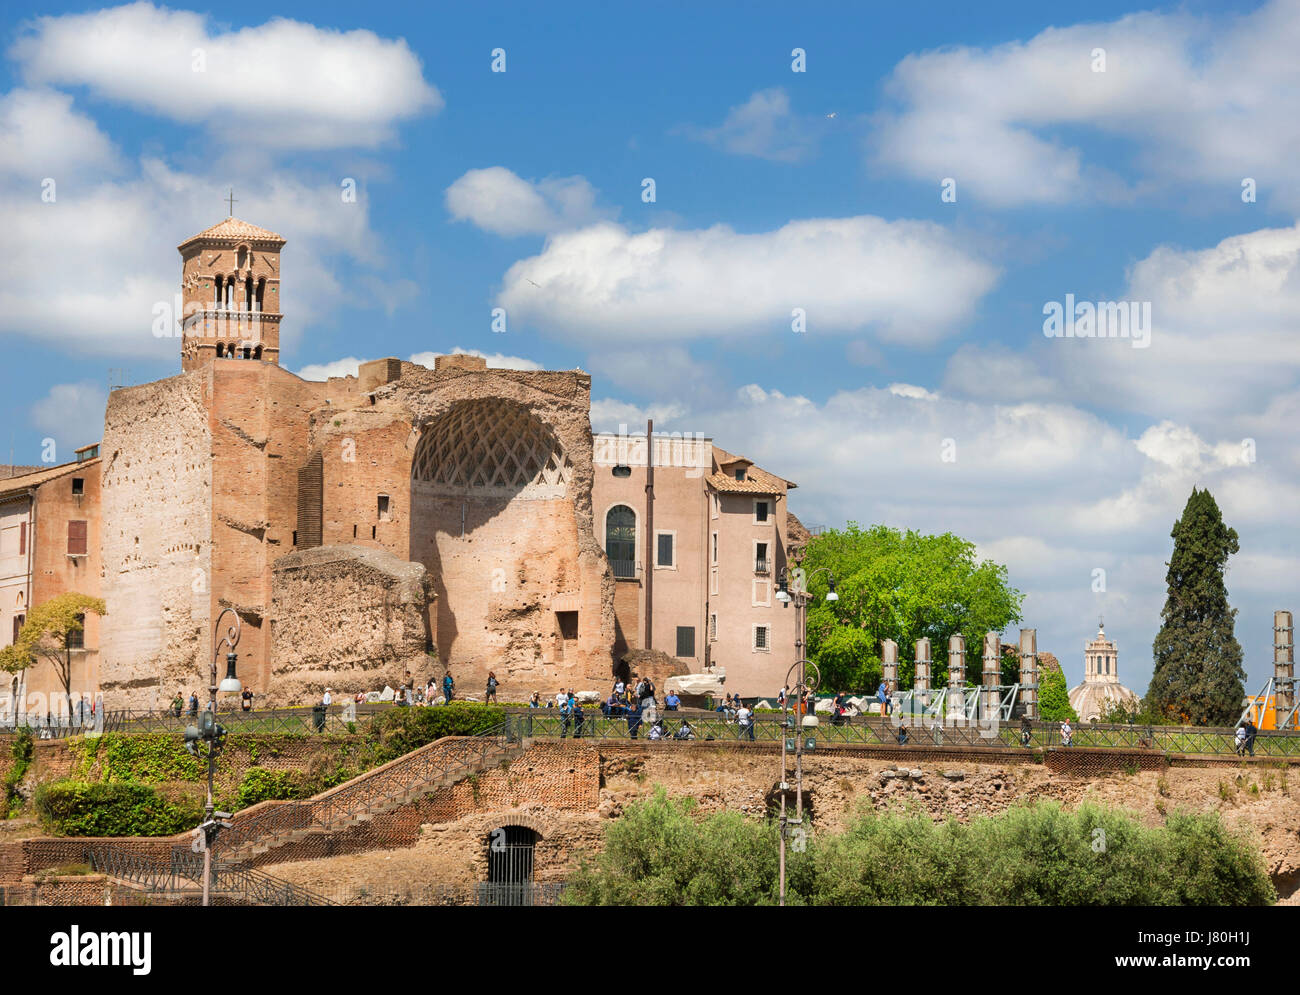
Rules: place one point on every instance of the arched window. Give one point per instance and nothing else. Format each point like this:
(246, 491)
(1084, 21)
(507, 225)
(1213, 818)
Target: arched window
(257, 353)
(510, 851)
(248, 294)
(217, 297)
(261, 294)
(620, 540)
(220, 349)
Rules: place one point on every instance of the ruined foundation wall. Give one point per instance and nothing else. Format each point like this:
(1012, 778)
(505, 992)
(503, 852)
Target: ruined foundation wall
(348, 618)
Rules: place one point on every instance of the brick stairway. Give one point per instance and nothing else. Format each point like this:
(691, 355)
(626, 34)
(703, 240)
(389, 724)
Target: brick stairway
(440, 764)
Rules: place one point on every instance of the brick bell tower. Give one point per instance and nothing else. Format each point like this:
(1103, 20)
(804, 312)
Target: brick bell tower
(230, 288)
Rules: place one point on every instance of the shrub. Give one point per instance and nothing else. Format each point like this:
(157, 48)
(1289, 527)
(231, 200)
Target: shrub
(1039, 854)
(115, 808)
(260, 785)
(21, 750)
(401, 730)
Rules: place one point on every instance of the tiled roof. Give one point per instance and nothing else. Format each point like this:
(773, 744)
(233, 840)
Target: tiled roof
(16, 485)
(757, 480)
(235, 229)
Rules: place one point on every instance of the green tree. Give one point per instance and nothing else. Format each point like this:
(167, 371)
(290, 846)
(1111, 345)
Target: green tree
(52, 631)
(1054, 697)
(1198, 677)
(901, 586)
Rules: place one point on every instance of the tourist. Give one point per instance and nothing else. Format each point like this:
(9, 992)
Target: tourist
(619, 687)
(1026, 730)
(672, 702)
(781, 697)
(327, 698)
(246, 700)
(535, 701)
(902, 735)
(579, 718)
(685, 732)
(1067, 733)
(565, 712)
(1241, 741)
(745, 718)
(882, 695)
(178, 705)
(448, 688)
(1250, 737)
(430, 692)
(657, 731)
(633, 719)
(491, 694)
(194, 704)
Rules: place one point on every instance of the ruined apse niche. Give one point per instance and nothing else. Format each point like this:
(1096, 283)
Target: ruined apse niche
(492, 519)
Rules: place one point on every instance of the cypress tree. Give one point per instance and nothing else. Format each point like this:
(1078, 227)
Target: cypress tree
(1198, 677)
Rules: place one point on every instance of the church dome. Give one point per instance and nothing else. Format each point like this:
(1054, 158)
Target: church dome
(1101, 689)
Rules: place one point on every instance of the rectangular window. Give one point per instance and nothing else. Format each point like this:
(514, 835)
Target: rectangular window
(18, 624)
(760, 512)
(76, 538)
(686, 640)
(760, 637)
(22, 538)
(715, 547)
(384, 511)
(713, 627)
(77, 638)
(761, 565)
(740, 474)
(568, 624)
(664, 552)
(78, 486)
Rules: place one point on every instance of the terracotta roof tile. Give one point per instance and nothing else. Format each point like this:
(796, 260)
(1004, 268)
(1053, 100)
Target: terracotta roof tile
(235, 228)
(15, 485)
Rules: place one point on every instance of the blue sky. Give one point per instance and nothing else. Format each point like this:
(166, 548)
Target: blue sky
(775, 190)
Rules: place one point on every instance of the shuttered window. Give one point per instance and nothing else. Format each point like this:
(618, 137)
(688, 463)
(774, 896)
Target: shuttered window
(686, 640)
(22, 538)
(76, 538)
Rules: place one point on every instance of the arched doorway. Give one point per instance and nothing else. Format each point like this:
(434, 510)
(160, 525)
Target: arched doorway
(510, 852)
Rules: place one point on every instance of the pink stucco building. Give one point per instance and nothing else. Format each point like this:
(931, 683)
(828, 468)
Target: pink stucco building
(697, 538)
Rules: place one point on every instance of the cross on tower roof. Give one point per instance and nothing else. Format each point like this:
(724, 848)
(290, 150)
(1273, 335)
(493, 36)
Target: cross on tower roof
(231, 198)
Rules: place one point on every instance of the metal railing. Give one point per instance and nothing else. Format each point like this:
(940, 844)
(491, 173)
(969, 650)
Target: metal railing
(397, 780)
(271, 721)
(874, 730)
(182, 872)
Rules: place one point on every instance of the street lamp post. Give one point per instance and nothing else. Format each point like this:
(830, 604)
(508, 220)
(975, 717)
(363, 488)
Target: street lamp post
(214, 735)
(804, 687)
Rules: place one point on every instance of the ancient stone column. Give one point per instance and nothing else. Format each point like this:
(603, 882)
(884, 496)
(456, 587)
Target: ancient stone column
(1283, 662)
(1029, 671)
(922, 682)
(956, 676)
(992, 674)
(889, 664)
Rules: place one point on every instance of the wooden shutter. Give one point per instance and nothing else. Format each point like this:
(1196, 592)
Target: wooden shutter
(77, 538)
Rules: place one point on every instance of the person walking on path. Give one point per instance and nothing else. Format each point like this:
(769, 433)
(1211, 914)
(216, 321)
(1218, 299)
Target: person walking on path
(194, 704)
(745, 719)
(1250, 737)
(448, 688)
(178, 705)
(1067, 733)
(491, 694)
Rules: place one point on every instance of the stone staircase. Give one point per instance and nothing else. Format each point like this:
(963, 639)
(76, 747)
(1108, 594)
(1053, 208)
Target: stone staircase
(407, 779)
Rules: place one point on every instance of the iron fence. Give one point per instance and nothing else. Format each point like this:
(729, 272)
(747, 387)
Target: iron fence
(921, 731)
(292, 721)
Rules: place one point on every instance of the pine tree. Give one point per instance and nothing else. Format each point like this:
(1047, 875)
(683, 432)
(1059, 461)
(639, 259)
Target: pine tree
(1198, 677)
(1054, 696)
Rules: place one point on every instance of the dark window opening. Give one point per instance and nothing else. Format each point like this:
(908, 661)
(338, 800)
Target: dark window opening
(740, 474)
(665, 558)
(373, 529)
(686, 640)
(510, 854)
(568, 624)
(18, 624)
(760, 511)
(78, 486)
(383, 508)
(620, 540)
(760, 558)
(622, 471)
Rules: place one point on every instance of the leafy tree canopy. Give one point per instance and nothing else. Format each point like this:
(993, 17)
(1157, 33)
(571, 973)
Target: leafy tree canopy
(50, 632)
(901, 586)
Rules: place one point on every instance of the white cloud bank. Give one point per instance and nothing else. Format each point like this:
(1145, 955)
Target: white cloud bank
(499, 201)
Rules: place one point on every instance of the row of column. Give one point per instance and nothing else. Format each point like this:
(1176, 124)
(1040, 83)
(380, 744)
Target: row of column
(992, 675)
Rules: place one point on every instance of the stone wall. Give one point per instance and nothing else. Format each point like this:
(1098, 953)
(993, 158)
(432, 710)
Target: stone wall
(346, 617)
(156, 541)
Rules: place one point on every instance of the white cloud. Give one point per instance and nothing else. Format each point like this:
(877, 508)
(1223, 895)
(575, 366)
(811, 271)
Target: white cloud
(906, 281)
(41, 136)
(282, 84)
(1223, 336)
(763, 126)
(1204, 100)
(499, 201)
(345, 367)
(72, 414)
(85, 272)
(973, 371)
